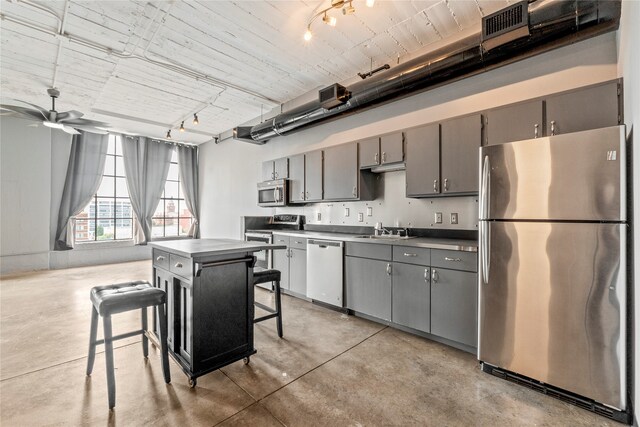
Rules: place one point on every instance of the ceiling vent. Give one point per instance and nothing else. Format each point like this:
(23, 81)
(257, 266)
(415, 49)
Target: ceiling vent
(332, 96)
(505, 25)
(243, 133)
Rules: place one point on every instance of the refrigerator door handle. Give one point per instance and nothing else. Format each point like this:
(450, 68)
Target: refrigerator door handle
(484, 188)
(485, 247)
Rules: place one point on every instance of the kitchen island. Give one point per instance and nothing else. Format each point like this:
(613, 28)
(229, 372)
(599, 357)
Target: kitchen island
(209, 286)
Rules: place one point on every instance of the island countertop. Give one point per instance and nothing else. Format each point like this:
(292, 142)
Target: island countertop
(192, 248)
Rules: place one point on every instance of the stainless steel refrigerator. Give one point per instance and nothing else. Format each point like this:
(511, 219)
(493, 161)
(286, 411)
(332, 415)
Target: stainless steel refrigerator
(553, 275)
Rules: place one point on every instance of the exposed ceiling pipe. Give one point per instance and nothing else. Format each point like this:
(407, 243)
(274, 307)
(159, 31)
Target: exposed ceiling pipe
(552, 24)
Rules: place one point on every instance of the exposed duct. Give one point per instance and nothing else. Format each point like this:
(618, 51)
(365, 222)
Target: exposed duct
(551, 24)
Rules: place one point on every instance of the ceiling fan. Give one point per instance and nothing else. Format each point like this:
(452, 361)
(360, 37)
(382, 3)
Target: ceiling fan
(68, 121)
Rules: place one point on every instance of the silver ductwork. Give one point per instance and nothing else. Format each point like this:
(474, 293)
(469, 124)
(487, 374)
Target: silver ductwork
(551, 24)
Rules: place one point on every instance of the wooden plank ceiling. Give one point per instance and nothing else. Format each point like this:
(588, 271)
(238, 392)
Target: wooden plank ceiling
(146, 66)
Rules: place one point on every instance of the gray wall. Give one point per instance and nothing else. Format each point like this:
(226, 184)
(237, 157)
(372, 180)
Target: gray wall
(230, 170)
(33, 166)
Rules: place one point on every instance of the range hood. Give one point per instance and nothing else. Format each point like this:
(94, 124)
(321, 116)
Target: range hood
(517, 32)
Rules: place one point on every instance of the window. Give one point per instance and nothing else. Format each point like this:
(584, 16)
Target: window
(172, 217)
(108, 216)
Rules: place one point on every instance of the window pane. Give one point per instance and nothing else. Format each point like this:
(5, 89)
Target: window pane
(170, 208)
(111, 149)
(173, 172)
(105, 208)
(174, 156)
(106, 187)
(124, 229)
(123, 208)
(184, 212)
(171, 190)
(171, 229)
(119, 166)
(89, 211)
(118, 145)
(105, 229)
(83, 232)
(157, 230)
(185, 224)
(159, 209)
(121, 188)
(109, 165)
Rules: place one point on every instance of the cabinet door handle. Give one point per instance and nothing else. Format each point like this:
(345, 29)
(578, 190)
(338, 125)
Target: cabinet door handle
(535, 130)
(384, 157)
(553, 127)
(276, 175)
(434, 276)
(302, 195)
(178, 265)
(160, 258)
(389, 269)
(273, 175)
(435, 185)
(452, 259)
(375, 158)
(410, 255)
(297, 241)
(446, 184)
(426, 274)
(287, 254)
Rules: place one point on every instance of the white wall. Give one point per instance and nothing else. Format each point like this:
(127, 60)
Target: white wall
(33, 162)
(629, 68)
(230, 170)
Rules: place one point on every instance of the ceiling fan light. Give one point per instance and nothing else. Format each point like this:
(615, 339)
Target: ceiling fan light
(370, 3)
(182, 126)
(195, 119)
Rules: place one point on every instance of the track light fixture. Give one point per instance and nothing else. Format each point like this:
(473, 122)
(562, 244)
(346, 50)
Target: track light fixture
(195, 119)
(182, 126)
(168, 134)
(347, 9)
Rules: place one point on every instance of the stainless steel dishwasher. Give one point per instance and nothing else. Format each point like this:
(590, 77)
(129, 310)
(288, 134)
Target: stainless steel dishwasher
(325, 271)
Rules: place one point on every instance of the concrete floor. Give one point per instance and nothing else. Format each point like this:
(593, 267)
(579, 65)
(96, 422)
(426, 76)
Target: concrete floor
(330, 369)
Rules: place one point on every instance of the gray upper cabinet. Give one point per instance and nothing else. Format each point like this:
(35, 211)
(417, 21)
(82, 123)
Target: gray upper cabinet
(411, 296)
(281, 259)
(514, 122)
(369, 152)
(298, 271)
(587, 108)
(392, 148)
(313, 176)
(423, 161)
(368, 286)
(454, 300)
(296, 178)
(268, 172)
(460, 140)
(281, 168)
(341, 172)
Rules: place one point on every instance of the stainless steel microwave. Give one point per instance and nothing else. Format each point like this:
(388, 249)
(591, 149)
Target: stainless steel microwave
(273, 193)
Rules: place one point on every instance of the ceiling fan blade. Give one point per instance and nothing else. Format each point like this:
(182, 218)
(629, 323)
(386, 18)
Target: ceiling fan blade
(32, 114)
(93, 130)
(85, 122)
(70, 130)
(42, 111)
(69, 115)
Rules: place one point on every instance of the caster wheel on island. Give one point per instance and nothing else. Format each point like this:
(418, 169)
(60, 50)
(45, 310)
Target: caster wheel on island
(247, 360)
(193, 382)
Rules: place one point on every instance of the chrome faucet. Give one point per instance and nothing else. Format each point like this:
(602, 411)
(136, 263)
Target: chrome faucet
(379, 230)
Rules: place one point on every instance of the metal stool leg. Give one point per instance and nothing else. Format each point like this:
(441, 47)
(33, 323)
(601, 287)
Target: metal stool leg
(145, 340)
(162, 320)
(108, 354)
(93, 333)
(278, 309)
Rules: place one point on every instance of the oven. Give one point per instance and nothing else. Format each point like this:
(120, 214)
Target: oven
(273, 193)
(264, 259)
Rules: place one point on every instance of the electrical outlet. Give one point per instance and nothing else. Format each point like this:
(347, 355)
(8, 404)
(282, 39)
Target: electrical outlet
(360, 217)
(346, 212)
(454, 218)
(369, 211)
(318, 216)
(438, 217)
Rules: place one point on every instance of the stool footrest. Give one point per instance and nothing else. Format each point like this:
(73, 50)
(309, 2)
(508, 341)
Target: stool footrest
(122, 336)
(267, 317)
(265, 307)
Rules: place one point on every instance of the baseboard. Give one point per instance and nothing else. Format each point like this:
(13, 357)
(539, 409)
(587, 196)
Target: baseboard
(10, 264)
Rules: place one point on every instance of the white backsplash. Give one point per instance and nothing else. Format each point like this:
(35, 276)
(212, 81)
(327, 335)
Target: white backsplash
(393, 209)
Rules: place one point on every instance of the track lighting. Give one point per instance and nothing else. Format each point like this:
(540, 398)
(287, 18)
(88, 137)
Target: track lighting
(182, 126)
(370, 3)
(347, 9)
(329, 20)
(308, 34)
(168, 134)
(195, 119)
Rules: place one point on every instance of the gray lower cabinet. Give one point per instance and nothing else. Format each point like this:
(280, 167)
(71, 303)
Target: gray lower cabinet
(369, 152)
(454, 302)
(423, 161)
(368, 286)
(583, 109)
(392, 148)
(341, 172)
(298, 271)
(296, 178)
(460, 140)
(514, 122)
(313, 176)
(411, 302)
(281, 260)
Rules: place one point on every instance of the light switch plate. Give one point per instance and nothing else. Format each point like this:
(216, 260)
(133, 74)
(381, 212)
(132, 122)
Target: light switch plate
(454, 218)
(318, 216)
(346, 211)
(438, 218)
(360, 217)
(369, 211)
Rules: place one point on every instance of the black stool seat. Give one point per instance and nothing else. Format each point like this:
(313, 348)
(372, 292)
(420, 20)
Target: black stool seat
(121, 297)
(266, 276)
(118, 298)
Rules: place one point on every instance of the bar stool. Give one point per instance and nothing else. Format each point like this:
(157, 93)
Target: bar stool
(118, 298)
(266, 276)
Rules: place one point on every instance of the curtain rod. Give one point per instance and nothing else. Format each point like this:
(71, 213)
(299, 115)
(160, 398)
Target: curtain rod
(182, 144)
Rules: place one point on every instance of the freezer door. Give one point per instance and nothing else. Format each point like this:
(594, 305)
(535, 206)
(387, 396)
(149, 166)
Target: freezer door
(552, 304)
(578, 176)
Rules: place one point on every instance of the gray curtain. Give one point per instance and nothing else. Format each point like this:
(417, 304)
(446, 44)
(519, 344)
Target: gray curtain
(146, 165)
(84, 174)
(188, 166)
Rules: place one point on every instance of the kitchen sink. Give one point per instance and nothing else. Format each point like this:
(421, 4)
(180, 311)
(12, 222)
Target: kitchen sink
(385, 237)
